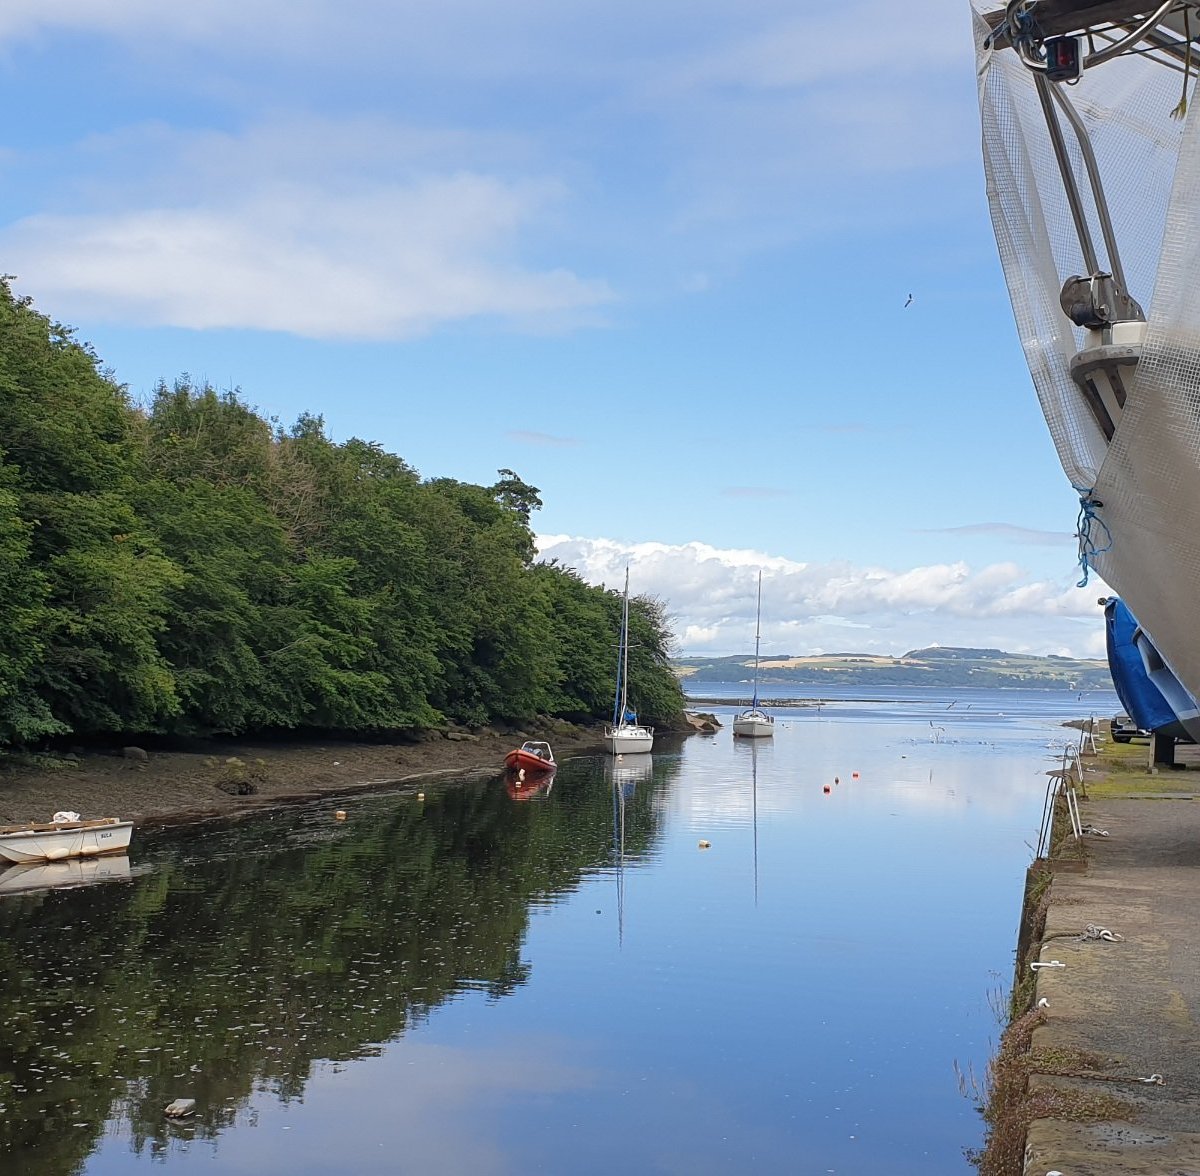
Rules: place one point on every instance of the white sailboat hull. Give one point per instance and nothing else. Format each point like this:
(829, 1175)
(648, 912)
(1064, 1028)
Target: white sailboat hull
(56, 842)
(628, 739)
(754, 724)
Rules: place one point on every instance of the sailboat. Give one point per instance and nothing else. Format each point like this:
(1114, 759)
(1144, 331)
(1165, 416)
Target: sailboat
(755, 722)
(625, 735)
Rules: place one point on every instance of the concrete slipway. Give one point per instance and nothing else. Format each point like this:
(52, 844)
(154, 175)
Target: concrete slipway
(1121, 1020)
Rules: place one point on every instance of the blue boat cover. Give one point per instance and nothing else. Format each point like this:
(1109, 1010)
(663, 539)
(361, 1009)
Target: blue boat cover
(1143, 701)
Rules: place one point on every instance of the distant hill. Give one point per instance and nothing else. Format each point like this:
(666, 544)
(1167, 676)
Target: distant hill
(937, 666)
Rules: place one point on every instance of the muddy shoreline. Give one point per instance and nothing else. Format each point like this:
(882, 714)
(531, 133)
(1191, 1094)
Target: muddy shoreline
(182, 787)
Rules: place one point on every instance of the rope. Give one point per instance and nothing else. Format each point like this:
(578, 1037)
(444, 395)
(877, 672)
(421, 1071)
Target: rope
(1088, 549)
(1091, 931)
(1018, 24)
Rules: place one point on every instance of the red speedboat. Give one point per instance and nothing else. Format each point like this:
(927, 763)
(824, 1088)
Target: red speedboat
(532, 757)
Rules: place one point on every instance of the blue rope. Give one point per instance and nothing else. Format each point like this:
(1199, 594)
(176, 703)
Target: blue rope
(1088, 550)
(1019, 24)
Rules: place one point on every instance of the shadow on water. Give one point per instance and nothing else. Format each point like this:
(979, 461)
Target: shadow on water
(243, 956)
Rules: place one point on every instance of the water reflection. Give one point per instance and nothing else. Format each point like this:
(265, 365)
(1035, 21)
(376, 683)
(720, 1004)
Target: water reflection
(249, 955)
(461, 983)
(27, 876)
(751, 752)
(624, 772)
(522, 785)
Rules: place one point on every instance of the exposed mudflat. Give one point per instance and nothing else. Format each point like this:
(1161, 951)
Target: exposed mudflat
(174, 787)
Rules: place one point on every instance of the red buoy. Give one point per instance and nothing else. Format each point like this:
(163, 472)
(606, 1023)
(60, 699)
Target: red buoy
(825, 788)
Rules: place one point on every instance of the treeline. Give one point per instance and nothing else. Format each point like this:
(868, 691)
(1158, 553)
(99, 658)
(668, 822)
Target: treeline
(190, 568)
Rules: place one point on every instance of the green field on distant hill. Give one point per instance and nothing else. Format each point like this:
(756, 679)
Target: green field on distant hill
(936, 666)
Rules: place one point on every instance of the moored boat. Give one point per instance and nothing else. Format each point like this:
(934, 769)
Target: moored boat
(625, 735)
(755, 723)
(56, 840)
(533, 756)
(629, 738)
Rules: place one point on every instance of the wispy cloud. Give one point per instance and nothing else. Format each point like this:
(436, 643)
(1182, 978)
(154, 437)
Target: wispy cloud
(1007, 531)
(531, 437)
(353, 250)
(198, 234)
(808, 608)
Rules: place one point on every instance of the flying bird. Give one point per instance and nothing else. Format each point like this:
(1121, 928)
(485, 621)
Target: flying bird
(909, 302)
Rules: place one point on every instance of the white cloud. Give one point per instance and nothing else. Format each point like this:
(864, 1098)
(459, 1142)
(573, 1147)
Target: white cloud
(245, 233)
(840, 607)
(777, 127)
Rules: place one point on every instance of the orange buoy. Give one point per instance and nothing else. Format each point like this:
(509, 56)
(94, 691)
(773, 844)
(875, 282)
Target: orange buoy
(853, 775)
(340, 815)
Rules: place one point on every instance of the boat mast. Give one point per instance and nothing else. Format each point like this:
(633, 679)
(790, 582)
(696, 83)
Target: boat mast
(622, 658)
(625, 647)
(757, 635)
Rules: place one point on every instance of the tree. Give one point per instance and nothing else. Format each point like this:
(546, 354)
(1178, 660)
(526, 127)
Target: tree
(75, 449)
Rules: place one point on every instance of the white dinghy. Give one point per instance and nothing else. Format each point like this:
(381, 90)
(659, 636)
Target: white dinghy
(57, 840)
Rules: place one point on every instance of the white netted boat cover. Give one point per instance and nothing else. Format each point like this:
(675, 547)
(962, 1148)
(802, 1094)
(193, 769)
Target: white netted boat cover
(1144, 529)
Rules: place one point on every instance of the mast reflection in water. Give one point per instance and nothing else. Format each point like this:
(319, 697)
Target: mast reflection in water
(468, 984)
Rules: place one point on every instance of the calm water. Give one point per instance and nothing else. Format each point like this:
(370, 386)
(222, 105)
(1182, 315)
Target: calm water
(473, 984)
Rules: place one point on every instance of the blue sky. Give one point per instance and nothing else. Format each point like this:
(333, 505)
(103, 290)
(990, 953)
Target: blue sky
(653, 258)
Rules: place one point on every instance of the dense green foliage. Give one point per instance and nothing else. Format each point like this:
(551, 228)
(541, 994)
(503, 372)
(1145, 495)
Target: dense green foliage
(189, 568)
